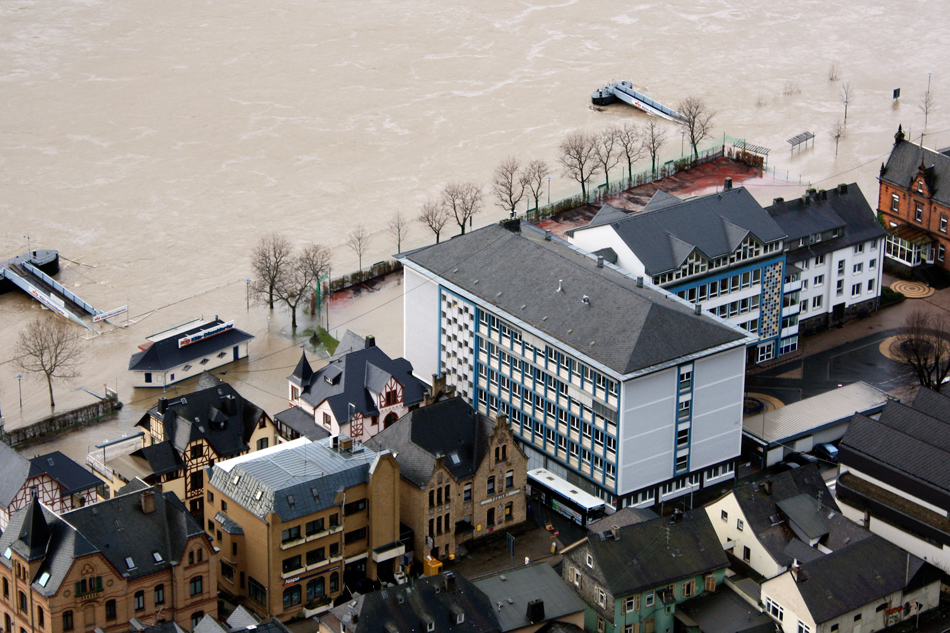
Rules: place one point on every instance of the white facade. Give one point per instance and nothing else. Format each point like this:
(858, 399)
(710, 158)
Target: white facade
(848, 276)
(184, 371)
(735, 534)
(661, 432)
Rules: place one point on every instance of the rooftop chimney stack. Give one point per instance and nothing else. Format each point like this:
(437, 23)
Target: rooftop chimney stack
(600, 261)
(148, 501)
(639, 282)
(728, 184)
(448, 578)
(615, 530)
(370, 341)
(536, 611)
(698, 308)
(162, 405)
(547, 235)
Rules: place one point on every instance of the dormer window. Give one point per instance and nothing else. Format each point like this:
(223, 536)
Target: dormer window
(391, 398)
(920, 186)
(129, 562)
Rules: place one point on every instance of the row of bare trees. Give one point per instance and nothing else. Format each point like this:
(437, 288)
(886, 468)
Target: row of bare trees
(285, 274)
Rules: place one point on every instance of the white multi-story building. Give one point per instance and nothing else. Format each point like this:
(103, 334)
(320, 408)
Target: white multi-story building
(720, 251)
(834, 255)
(623, 389)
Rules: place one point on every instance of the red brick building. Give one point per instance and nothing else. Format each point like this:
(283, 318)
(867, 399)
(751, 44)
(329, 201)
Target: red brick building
(914, 205)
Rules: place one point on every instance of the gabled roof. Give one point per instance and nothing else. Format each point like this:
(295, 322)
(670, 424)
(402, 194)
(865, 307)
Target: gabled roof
(655, 553)
(14, 471)
(903, 167)
(216, 412)
(451, 429)
(295, 478)
(858, 575)
(34, 533)
(162, 458)
(625, 327)
(71, 477)
(302, 422)
(302, 372)
(515, 588)
(910, 440)
(410, 607)
(844, 207)
(116, 528)
(356, 378)
(165, 353)
(608, 214)
(664, 233)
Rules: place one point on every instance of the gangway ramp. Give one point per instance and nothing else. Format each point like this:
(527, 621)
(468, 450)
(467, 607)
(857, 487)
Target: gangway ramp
(623, 91)
(43, 288)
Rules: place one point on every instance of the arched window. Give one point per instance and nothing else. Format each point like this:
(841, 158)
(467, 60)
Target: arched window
(159, 594)
(334, 582)
(67, 621)
(509, 480)
(196, 617)
(139, 600)
(110, 610)
(291, 596)
(316, 588)
(389, 419)
(491, 485)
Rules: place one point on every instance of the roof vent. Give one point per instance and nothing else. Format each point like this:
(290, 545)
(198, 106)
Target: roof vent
(547, 236)
(615, 530)
(585, 300)
(560, 285)
(842, 189)
(370, 341)
(535, 611)
(728, 184)
(600, 261)
(639, 282)
(778, 200)
(698, 308)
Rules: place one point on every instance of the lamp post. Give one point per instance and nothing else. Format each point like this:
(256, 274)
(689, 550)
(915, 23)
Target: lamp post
(549, 190)
(29, 248)
(927, 109)
(398, 239)
(247, 282)
(682, 143)
(19, 384)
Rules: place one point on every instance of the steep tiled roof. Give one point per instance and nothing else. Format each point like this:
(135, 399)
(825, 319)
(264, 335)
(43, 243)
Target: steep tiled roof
(657, 552)
(353, 378)
(216, 413)
(165, 353)
(515, 588)
(904, 163)
(68, 474)
(451, 428)
(14, 470)
(625, 327)
(664, 233)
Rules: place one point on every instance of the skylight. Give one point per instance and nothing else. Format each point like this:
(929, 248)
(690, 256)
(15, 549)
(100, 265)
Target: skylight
(7, 553)
(235, 479)
(44, 578)
(157, 557)
(129, 562)
(258, 495)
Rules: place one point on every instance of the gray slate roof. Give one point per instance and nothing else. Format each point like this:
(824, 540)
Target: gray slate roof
(302, 422)
(643, 558)
(405, 608)
(724, 612)
(624, 327)
(14, 471)
(295, 479)
(914, 440)
(521, 585)
(843, 208)
(215, 412)
(116, 528)
(353, 378)
(858, 575)
(451, 428)
(165, 353)
(903, 167)
(71, 477)
(664, 233)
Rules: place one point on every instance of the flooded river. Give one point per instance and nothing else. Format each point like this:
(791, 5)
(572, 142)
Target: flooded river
(153, 143)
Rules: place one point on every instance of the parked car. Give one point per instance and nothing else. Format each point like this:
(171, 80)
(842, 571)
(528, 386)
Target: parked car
(802, 459)
(827, 452)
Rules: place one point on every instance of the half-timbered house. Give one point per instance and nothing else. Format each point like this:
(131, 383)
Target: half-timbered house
(358, 393)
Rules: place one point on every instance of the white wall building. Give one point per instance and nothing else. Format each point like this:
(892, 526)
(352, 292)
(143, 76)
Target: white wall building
(609, 382)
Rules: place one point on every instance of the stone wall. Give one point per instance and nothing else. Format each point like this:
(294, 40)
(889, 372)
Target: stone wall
(61, 422)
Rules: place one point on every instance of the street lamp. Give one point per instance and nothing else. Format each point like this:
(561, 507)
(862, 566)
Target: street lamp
(549, 190)
(682, 143)
(19, 384)
(247, 281)
(398, 239)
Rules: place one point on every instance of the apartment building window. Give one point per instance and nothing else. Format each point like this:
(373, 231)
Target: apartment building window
(859, 248)
(262, 443)
(159, 594)
(509, 480)
(139, 600)
(816, 302)
(740, 525)
(315, 556)
(857, 268)
(940, 252)
(688, 589)
(313, 527)
(682, 437)
(491, 486)
(870, 286)
(920, 186)
(943, 224)
(803, 628)
(467, 492)
(855, 290)
(872, 264)
(290, 534)
(682, 462)
(358, 506)
(686, 379)
(648, 601)
(918, 212)
(895, 201)
(839, 288)
(819, 281)
(631, 604)
(356, 536)
(292, 563)
(67, 620)
(841, 267)
(684, 410)
(724, 515)
(194, 586)
(326, 420)
(774, 609)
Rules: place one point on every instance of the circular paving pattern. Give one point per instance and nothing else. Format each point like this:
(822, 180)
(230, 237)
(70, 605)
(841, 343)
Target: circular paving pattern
(912, 289)
(891, 347)
(768, 403)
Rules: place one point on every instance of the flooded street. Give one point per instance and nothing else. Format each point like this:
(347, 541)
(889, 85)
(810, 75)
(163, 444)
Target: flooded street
(153, 143)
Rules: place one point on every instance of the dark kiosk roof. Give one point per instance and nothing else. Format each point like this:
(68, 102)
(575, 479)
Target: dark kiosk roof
(451, 428)
(911, 440)
(165, 353)
(903, 167)
(302, 423)
(116, 528)
(625, 327)
(844, 208)
(657, 552)
(68, 474)
(667, 230)
(353, 378)
(216, 412)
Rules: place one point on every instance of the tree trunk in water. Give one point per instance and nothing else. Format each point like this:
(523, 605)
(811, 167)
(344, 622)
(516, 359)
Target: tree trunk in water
(49, 384)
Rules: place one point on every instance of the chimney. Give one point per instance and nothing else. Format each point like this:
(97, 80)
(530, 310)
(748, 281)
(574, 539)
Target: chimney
(698, 308)
(600, 261)
(513, 225)
(767, 486)
(805, 200)
(370, 341)
(639, 282)
(728, 184)
(842, 189)
(148, 501)
(547, 236)
(346, 444)
(536, 611)
(677, 516)
(162, 405)
(448, 581)
(796, 570)
(615, 530)
(778, 200)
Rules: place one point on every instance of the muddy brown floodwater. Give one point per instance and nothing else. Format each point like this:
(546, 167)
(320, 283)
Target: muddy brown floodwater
(152, 143)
